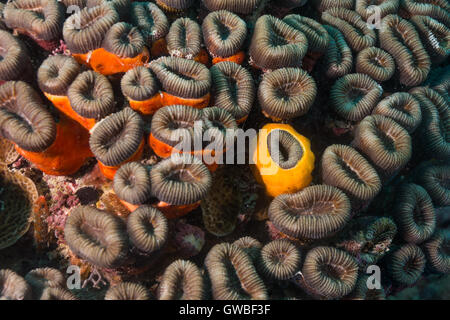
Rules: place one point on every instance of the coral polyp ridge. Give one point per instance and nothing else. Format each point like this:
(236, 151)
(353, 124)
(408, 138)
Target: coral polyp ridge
(106, 166)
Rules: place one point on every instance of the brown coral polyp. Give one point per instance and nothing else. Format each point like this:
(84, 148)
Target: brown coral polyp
(250, 245)
(24, 119)
(434, 130)
(354, 96)
(41, 278)
(414, 213)
(436, 9)
(15, 62)
(338, 56)
(172, 128)
(345, 168)
(182, 280)
(435, 35)
(233, 275)
(436, 250)
(384, 7)
(401, 107)
(96, 236)
(151, 21)
(42, 20)
(316, 34)
(275, 44)
(329, 273)
(38, 136)
(123, 48)
(399, 37)
(132, 183)
(355, 30)
(407, 264)
(184, 40)
(233, 88)
(376, 63)
(316, 212)
(183, 81)
(13, 286)
(436, 180)
(279, 260)
(84, 31)
(179, 183)
(117, 139)
(224, 34)
(148, 230)
(56, 74)
(91, 99)
(141, 89)
(236, 6)
(385, 143)
(128, 291)
(286, 93)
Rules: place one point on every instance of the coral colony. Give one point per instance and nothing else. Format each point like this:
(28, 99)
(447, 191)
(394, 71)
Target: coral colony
(224, 149)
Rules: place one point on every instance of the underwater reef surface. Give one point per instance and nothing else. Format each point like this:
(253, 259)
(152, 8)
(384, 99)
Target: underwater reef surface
(348, 105)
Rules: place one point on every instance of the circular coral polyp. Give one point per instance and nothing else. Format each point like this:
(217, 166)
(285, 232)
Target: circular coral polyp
(56, 74)
(281, 154)
(148, 229)
(385, 143)
(286, 93)
(151, 21)
(184, 82)
(123, 48)
(13, 286)
(329, 273)
(128, 291)
(376, 63)
(173, 130)
(414, 213)
(344, 167)
(354, 96)
(233, 275)
(182, 280)
(141, 89)
(15, 62)
(132, 183)
(85, 30)
(116, 140)
(399, 37)
(316, 212)
(401, 107)
(91, 98)
(42, 20)
(275, 44)
(280, 260)
(96, 236)
(233, 89)
(180, 180)
(224, 34)
(436, 252)
(407, 264)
